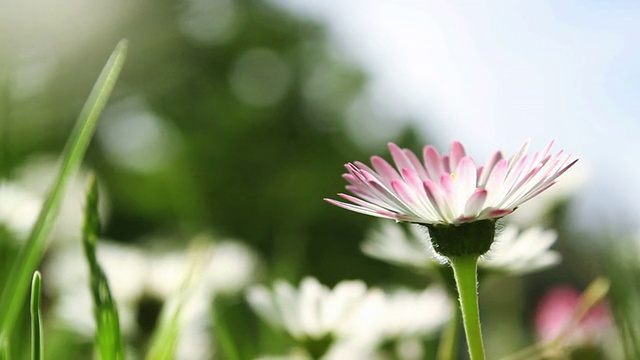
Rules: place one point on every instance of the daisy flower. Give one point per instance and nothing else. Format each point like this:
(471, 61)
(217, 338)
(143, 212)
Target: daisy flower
(402, 314)
(449, 188)
(311, 312)
(350, 318)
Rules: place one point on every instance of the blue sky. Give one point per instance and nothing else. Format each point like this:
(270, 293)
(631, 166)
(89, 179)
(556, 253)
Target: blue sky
(493, 74)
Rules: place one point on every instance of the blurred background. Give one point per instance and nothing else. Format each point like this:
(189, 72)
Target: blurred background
(233, 119)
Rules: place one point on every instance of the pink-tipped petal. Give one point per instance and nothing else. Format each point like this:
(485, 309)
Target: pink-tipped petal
(417, 166)
(466, 176)
(432, 163)
(446, 184)
(456, 154)
(363, 166)
(437, 198)
(496, 179)
(483, 174)
(387, 172)
(522, 151)
(399, 157)
(475, 203)
(495, 214)
(362, 210)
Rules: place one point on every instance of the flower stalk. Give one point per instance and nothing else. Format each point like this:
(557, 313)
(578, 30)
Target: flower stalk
(465, 272)
(447, 348)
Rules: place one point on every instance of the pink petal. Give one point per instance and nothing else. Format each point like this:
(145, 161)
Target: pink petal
(363, 166)
(475, 203)
(446, 165)
(498, 213)
(446, 184)
(519, 153)
(417, 166)
(362, 210)
(362, 203)
(436, 196)
(399, 158)
(495, 180)
(488, 167)
(389, 197)
(413, 180)
(432, 162)
(455, 155)
(387, 172)
(405, 193)
(466, 175)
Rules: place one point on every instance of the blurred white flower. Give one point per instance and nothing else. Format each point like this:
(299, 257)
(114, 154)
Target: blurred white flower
(389, 242)
(519, 252)
(66, 275)
(350, 321)
(403, 314)
(512, 252)
(311, 312)
(134, 274)
(19, 209)
(23, 199)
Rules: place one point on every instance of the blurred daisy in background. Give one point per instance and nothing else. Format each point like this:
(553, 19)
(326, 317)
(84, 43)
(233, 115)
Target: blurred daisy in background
(555, 319)
(21, 199)
(351, 319)
(401, 319)
(513, 251)
(314, 315)
(19, 209)
(136, 276)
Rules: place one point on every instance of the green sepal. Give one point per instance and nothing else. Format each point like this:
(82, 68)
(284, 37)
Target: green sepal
(472, 238)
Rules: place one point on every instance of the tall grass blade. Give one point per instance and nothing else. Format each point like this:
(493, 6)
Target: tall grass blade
(165, 338)
(110, 345)
(6, 351)
(223, 336)
(15, 290)
(37, 347)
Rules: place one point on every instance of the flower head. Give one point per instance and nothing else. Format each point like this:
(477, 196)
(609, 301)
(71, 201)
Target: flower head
(449, 188)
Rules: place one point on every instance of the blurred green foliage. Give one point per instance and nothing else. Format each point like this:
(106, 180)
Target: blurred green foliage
(242, 166)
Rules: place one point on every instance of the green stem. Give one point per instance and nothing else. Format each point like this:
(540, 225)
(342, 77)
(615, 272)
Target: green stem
(465, 271)
(36, 319)
(447, 349)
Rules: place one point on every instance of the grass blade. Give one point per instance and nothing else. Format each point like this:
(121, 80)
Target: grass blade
(6, 351)
(15, 291)
(223, 336)
(110, 345)
(37, 348)
(165, 337)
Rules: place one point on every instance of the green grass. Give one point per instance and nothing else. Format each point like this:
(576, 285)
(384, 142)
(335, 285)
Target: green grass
(165, 337)
(15, 290)
(37, 348)
(108, 337)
